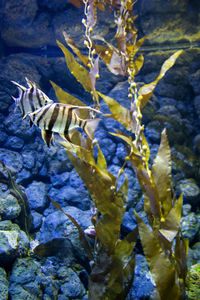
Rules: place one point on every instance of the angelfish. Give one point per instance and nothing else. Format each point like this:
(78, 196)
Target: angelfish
(31, 98)
(62, 119)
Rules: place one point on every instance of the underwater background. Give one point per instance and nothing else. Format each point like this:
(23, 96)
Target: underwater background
(31, 173)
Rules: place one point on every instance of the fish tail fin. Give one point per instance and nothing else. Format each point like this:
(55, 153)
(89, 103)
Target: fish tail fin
(90, 127)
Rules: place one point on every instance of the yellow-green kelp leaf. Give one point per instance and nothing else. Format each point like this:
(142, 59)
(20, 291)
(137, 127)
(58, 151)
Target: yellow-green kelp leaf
(78, 71)
(148, 187)
(114, 273)
(171, 226)
(181, 252)
(119, 112)
(133, 48)
(82, 237)
(65, 97)
(161, 173)
(136, 65)
(84, 59)
(162, 270)
(146, 91)
(113, 58)
(101, 186)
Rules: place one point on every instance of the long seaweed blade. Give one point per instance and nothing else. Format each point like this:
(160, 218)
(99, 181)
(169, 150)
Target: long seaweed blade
(162, 270)
(161, 173)
(78, 71)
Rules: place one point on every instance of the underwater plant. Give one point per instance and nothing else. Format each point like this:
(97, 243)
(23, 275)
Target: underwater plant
(112, 259)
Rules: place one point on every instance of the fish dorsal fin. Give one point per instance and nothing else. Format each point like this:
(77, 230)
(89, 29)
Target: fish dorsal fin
(21, 87)
(30, 83)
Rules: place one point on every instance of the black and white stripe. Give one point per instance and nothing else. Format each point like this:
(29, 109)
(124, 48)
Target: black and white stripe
(62, 119)
(30, 99)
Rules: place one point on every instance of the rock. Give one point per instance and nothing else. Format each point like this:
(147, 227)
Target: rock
(197, 105)
(143, 285)
(194, 81)
(74, 196)
(193, 282)
(190, 190)
(196, 143)
(57, 226)
(29, 158)
(72, 286)
(16, 67)
(24, 176)
(183, 162)
(14, 143)
(37, 220)
(59, 180)
(47, 279)
(186, 209)
(3, 284)
(25, 25)
(65, 21)
(14, 243)
(21, 128)
(190, 226)
(54, 5)
(37, 196)
(24, 283)
(12, 160)
(9, 206)
(128, 224)
(196, 252)
(153, 131)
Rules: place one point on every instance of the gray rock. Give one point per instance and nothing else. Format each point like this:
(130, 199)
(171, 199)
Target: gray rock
(196, 143)
(24, 25)
(153, 131)
(37, 220)
(59, 180)
(3, 284)
(143, 285)
(190, 190)
(197, 105)
(14, 243)
(23, 176)
(54, 5)
(29, 158)
(9, 207)
(183, 162)
(57, 225)
(190, 226)
(37, 196)
(186, 209)
(14, 143)
(72, 286)
(12, 160)
(23, 282)
(74, 196)
(48, 279)
(194, 81)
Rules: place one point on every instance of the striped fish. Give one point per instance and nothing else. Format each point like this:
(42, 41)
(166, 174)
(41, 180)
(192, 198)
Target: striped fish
(62, 118)
(31, 98)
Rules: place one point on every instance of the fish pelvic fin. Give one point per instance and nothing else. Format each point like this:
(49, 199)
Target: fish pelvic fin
(47, 136)
(90, 126)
